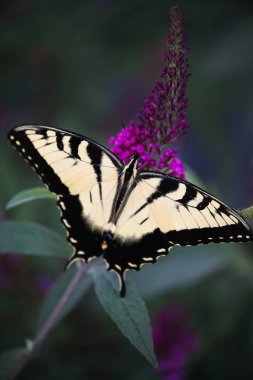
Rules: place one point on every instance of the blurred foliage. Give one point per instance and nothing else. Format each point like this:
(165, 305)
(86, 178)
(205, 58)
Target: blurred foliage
(87, 66)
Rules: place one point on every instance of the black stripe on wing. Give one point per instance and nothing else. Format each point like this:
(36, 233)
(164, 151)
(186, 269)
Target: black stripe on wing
(85, 241)
(59, 141)
(121, 256)
(21, 142)
(226, 234)
(74, 144)
(95, 155)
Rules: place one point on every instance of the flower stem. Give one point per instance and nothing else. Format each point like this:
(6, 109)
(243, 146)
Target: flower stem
(43, 333)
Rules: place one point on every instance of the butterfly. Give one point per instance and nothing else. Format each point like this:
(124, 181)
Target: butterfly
(109, 208)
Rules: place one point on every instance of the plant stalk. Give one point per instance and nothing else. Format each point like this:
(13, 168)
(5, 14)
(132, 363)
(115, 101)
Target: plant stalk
(43, 333)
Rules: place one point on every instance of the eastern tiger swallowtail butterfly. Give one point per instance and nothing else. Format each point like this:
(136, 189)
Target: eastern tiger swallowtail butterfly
(109, 208)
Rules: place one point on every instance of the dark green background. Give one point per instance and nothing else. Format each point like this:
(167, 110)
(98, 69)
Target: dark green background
(87, 66)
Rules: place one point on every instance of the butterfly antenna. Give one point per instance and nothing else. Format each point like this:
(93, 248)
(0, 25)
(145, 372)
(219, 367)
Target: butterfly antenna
(145, 164)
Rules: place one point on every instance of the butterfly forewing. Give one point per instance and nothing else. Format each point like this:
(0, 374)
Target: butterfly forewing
(163, 211)
(83, 174)
(191, 216)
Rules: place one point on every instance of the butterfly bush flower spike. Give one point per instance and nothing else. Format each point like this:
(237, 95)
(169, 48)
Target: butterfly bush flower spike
(163, 116)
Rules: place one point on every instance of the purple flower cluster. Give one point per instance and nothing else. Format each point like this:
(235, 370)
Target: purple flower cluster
(173, 341)
(162, 118)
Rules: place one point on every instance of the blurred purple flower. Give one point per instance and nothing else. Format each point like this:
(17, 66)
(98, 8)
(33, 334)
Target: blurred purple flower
(43, 282)
(162, 118)
(174, 341)
(8, 264)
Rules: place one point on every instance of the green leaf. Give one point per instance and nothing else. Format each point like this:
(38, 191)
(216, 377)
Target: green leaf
(183, 266)
(57, 291)
(129, 313)
(10, 362)
(31, 239)
(30, 195)
(247, 212)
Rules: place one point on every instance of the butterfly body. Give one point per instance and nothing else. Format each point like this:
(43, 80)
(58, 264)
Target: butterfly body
(126, 182)
(130, 217)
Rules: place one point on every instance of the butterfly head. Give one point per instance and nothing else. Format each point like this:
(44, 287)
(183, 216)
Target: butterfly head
(132, 167)
(107, 236)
